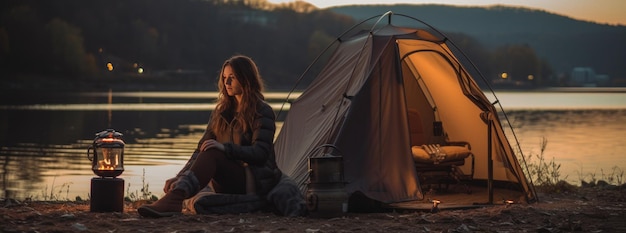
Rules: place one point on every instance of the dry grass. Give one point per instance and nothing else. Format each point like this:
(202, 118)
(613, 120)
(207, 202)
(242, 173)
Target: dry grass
(546, 176)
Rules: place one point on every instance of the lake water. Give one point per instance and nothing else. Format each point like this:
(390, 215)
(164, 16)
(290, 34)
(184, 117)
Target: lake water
(44, 136)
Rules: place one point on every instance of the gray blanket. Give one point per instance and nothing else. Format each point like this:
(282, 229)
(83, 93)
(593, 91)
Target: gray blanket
(284, 199)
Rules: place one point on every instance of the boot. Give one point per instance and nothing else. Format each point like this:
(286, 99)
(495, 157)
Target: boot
(169, 205)
(188, 184)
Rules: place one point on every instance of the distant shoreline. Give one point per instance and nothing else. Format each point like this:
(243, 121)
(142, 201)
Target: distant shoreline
(125, 84)
(567, 89)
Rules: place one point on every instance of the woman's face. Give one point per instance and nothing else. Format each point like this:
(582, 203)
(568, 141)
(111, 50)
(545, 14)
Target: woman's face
(233, 87)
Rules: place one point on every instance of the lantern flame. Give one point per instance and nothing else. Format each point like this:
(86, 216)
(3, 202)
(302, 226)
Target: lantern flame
(106, 164)
(110, 160)
(507, 203)
(435, 207)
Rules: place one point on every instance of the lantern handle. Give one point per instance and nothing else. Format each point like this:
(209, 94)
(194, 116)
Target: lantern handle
(89, 155)
(323, 146)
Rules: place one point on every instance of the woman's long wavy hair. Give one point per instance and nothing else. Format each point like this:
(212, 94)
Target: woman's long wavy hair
(247, 74)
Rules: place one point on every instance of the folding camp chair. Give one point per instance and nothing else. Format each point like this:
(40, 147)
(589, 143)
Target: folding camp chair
(439, 163)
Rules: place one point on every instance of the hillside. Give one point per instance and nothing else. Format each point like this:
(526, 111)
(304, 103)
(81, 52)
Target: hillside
(181, 44)
(183, 41)
(564, 42)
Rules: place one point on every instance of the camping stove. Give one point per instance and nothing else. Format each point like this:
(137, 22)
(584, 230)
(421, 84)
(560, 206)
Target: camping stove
(326, 195)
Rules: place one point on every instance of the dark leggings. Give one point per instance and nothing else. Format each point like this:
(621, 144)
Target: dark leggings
(228, 176)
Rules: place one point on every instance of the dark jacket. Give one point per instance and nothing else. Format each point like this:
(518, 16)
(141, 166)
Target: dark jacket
(254, 146)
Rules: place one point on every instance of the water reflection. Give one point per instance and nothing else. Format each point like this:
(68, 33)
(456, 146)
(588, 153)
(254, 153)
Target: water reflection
(39, 170)
(587, 143)
(46, 157)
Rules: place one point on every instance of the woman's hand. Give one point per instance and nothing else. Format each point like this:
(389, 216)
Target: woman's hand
(168, 184)
(211, 143)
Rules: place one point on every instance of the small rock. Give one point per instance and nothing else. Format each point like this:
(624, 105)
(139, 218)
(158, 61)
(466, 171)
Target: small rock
(79, 227)
(68, 216)
(462, 228)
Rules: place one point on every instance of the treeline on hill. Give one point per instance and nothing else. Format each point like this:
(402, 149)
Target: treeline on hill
(72, 41)
(557, 42)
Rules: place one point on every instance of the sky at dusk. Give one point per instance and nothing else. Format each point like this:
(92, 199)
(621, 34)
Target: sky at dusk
(600, 11)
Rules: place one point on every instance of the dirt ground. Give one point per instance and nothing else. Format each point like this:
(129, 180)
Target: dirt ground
(583, 210)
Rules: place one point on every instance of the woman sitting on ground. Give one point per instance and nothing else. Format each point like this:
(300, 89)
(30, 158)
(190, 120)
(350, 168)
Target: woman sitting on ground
(239, 134)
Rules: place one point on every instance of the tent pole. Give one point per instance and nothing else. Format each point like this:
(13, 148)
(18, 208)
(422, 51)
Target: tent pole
(489, 163)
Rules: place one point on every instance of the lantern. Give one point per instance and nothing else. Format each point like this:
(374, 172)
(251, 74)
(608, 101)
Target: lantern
(107, 191)
(108, 154)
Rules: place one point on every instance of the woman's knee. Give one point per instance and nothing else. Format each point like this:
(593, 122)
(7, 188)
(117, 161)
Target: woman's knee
(213, 154)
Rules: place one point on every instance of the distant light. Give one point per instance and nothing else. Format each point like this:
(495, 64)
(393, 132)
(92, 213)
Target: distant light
(100, 50)
(140, 70)
(504, 75)
(135, 65)
(531, 77)
(110, 66)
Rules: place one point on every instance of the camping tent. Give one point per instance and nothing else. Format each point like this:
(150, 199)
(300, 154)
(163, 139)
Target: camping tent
(359, 102)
